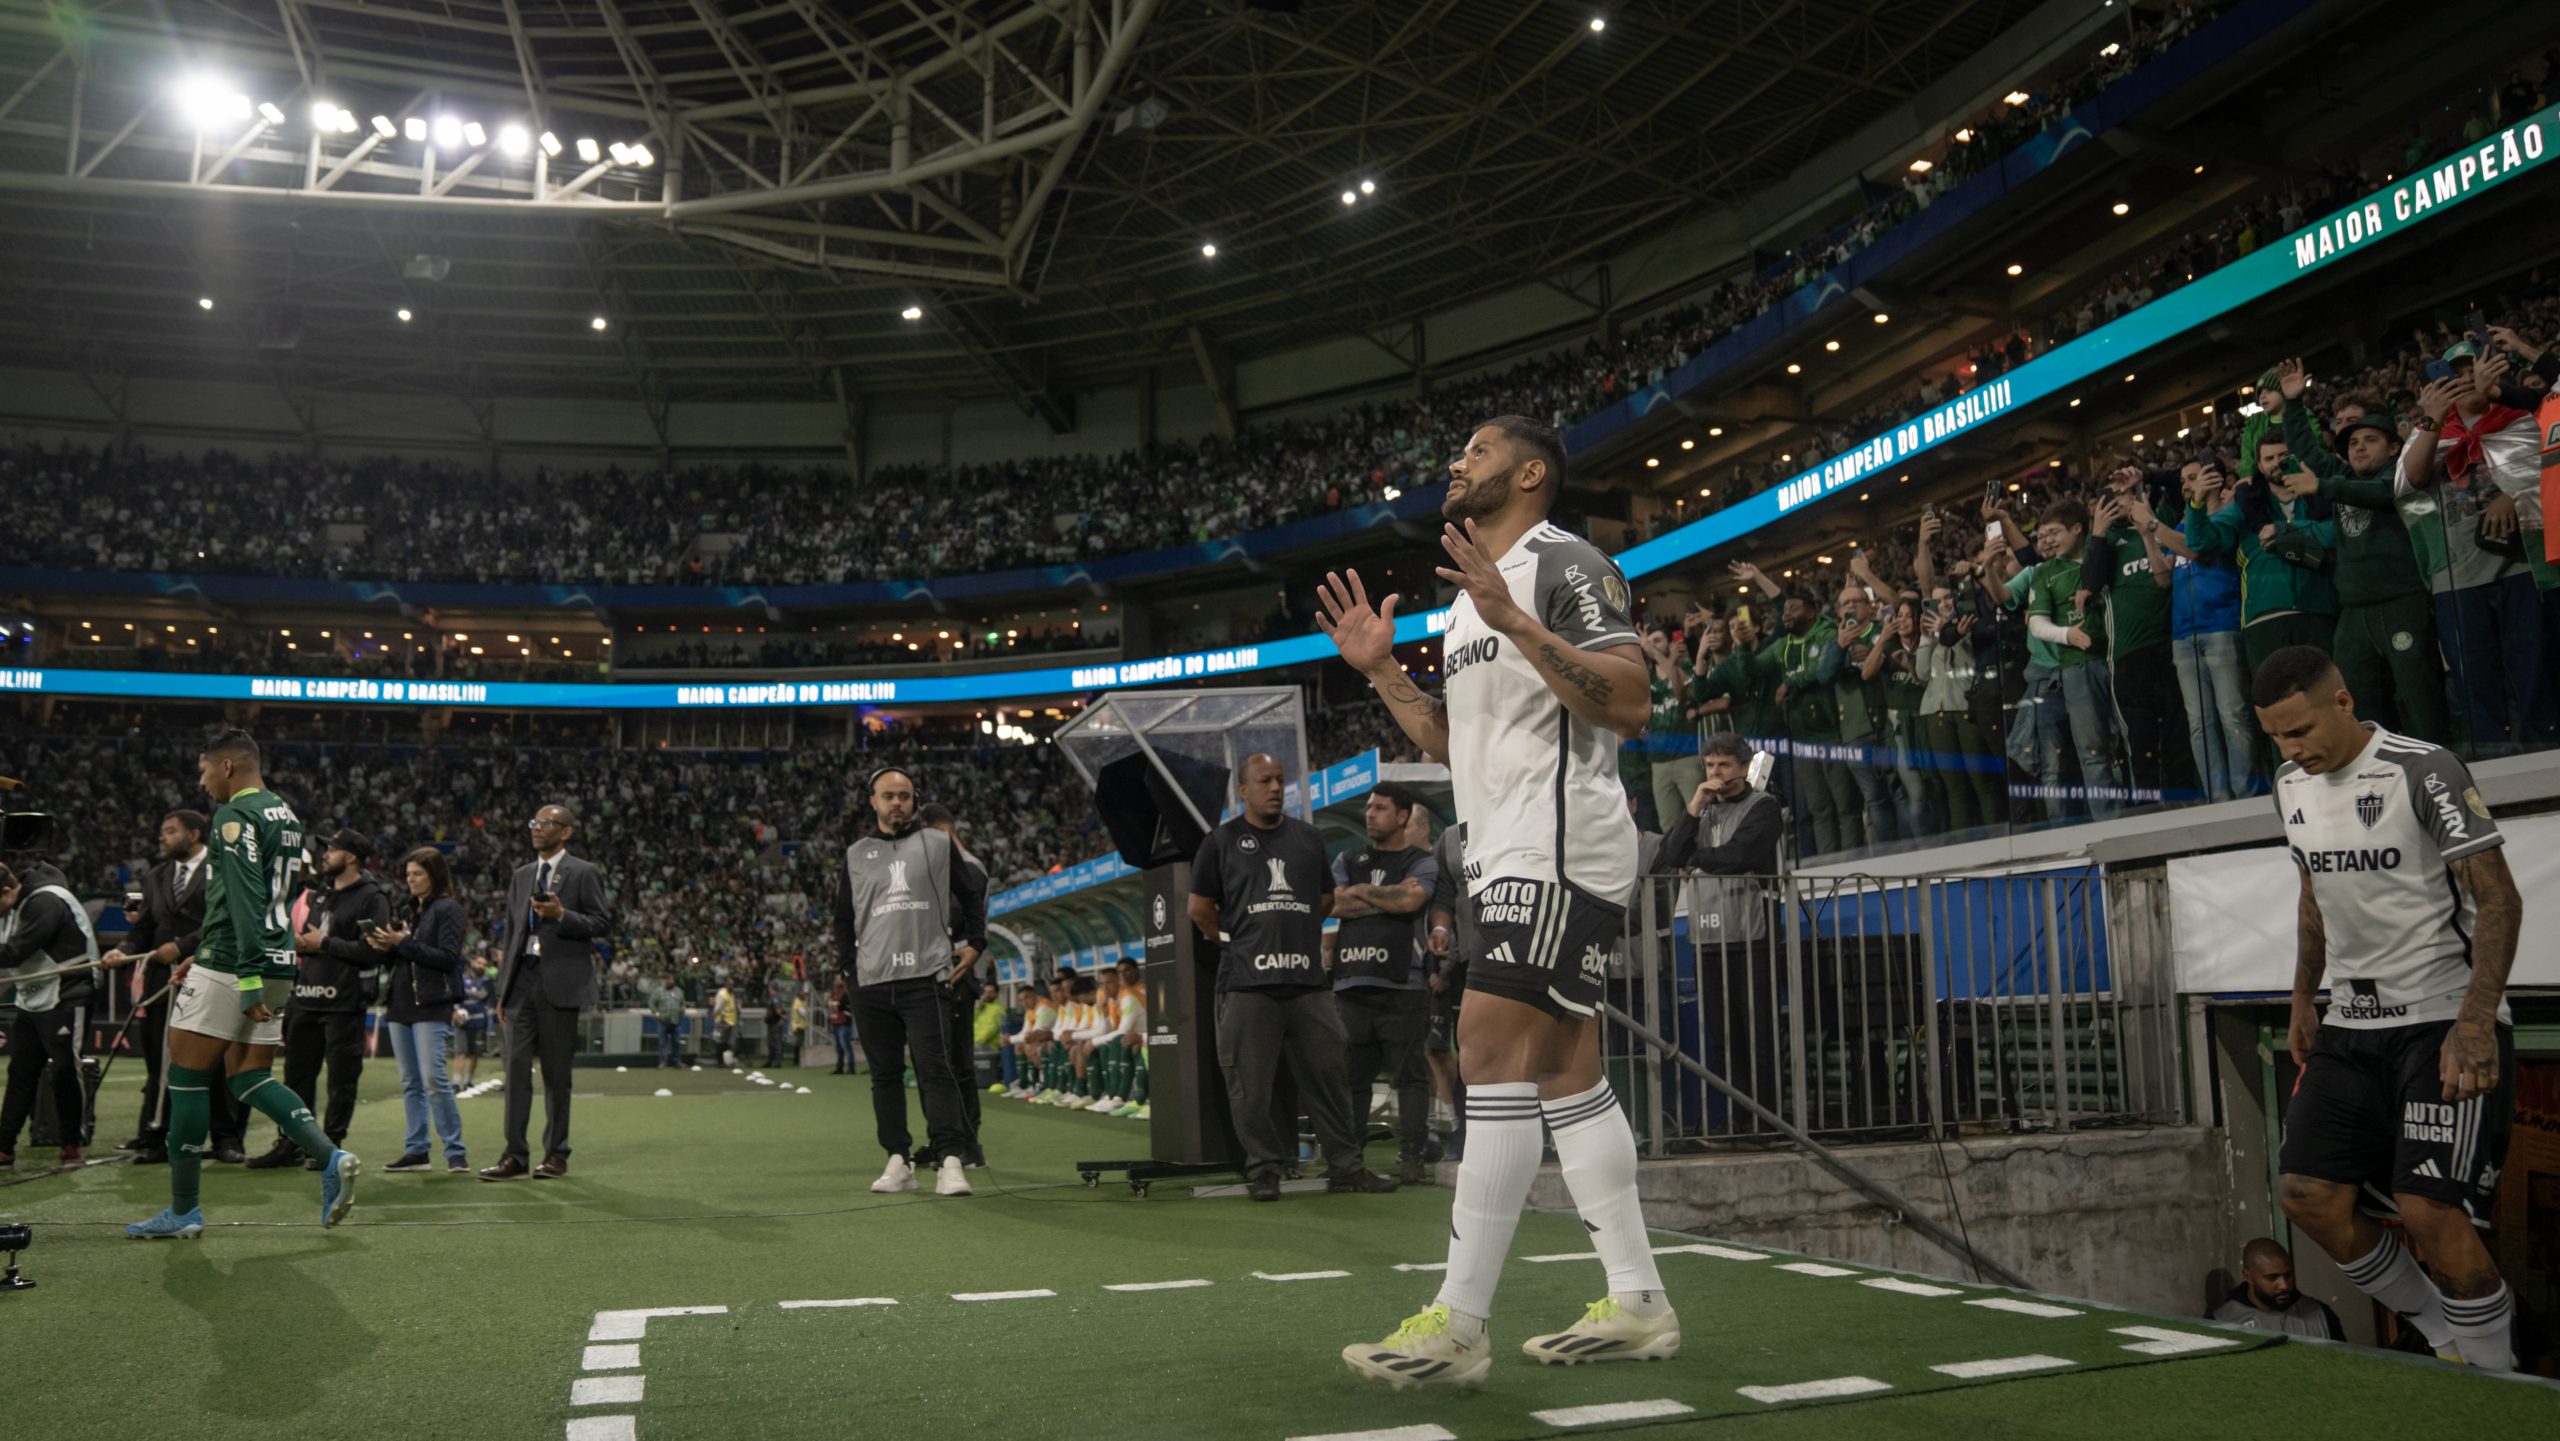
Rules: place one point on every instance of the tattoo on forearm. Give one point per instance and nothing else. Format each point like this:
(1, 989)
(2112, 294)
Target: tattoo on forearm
(2311, 951)
(2498, 921)
(1402, 692)
(1590, 684)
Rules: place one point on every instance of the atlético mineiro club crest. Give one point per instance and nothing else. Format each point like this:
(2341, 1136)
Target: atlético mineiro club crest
(2369, 809)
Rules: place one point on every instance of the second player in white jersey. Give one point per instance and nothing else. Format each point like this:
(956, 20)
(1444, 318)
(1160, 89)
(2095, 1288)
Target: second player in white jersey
(2374, 838)
(1538, 786)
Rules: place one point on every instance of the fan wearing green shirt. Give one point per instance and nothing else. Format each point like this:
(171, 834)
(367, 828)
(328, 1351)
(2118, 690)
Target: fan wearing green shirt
(2127, 565)
(227, 1019)
(2075, 707)
(1670, 735)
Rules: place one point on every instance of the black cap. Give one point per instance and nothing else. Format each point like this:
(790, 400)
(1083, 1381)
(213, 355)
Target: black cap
(352, 843)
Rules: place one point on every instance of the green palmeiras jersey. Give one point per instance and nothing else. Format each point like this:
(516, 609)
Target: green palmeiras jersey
(248, 895)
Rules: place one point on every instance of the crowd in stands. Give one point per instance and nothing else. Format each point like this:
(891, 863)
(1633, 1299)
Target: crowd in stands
(399, 519)
(2081, 642)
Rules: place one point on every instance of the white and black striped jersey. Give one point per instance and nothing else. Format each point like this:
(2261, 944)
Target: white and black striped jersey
(2377, 838)
(1538, 788)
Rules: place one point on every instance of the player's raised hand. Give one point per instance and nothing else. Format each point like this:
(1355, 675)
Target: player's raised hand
(1365, 634)
(1474, 571)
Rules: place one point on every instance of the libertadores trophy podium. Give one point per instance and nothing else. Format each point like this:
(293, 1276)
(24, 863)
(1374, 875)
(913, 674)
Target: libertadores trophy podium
(1162, 765)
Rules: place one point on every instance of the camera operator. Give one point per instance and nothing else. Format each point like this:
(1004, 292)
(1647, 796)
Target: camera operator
(42, 926)
(163, 937)
(326, 1020)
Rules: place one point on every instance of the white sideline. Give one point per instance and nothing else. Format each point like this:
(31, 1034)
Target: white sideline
(1155, 1285)
(2022, 1308)
(2157, 1342)
(999, 1295)
(848, 1301)
(1816, 1268)
(1298, 1275)
(610, 1358)
(1392, 1433)
(634, 1325)
(1910, 1288)
(1815, 1390)
(606, 1390)
(1612, 1411)
(1422, 1266)
(603, 1428)
(1721, 1253)
(1999, 1366)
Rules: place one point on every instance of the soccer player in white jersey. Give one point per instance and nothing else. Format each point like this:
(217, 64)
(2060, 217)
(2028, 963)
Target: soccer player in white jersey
(1544, 673)
(2407, 1087)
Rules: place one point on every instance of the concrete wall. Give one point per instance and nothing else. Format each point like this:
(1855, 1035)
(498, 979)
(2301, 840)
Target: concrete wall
(2132, 1218)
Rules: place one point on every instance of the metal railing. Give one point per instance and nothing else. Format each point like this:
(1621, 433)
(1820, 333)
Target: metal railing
(1873, 1009)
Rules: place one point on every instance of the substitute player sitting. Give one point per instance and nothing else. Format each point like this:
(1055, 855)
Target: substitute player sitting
(1544, 674)
(228, 1017)
(2407, 1089)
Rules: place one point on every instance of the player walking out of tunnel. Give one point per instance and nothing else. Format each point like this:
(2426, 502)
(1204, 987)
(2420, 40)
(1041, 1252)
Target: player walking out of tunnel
(1544, 673)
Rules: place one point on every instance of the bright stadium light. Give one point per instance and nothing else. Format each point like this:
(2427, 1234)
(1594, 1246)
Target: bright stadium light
(587, 150)
(1831, 345)
(2015, 97)
(473, 135)
(2121, 208)
(1688, 445)
(1921, 167)
(513, 140)
(1714, 431)
(403, 313)
(204, 302)
(324, 116)
(383, 127)
(596, 324)
(1598, 24)
(415, 127)
(448, 133)
(550, 143)
(1964, 137)
(268, 112)
(1881, 317)
(912, 312)
(1351, 197)
(1208, 250)
(2016, 270)
(2112, 49)
(1368, 187)
(1794, 369)
(1653, 462)
(643, 156)
(621, 153)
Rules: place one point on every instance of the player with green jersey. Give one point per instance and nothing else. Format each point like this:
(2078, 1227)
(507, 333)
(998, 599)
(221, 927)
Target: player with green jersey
(226, 1022)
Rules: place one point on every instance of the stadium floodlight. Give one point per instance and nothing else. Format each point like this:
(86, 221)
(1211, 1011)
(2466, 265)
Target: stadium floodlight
(1688, 445)
(2112, 49)
(2137, 437)
(347, 122)
(1965, 136)
(621, 153)
(473, 135)
(1921, 167)
(2128, 379)
(268, 112)
(1351, 197)
(1598, 24)
(1653, 462)
(415, 127)
(204, 302)
(912, 312)
(1831, 345)
(596, 324)
(2014, 97)
(2122, 208)
(513, 140)
(1881, 317)
(587, 150)
(2075, 403)
(1208, 250)
(403, 313)
(383, 127)
(1368, 187)
(2016, 269)
(1794, 369)
(1714, 430)
(550, 143)
(324, 116)
(448, 133)
(643, 155)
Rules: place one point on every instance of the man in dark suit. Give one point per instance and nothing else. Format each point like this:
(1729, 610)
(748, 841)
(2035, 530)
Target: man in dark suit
(163, 938)
(556, 911)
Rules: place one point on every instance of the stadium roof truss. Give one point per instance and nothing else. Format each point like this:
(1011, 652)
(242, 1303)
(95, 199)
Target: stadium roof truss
(766, 186)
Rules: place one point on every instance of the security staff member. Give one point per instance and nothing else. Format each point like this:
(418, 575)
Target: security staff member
(163, 937)
(960, 998)
(43, 926)
(1380, 893)
(1262, 878)
(1729, 837)
(326, 1019)
(903, 899)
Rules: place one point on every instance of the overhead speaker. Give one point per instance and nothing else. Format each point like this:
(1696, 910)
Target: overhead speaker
(1144, 813)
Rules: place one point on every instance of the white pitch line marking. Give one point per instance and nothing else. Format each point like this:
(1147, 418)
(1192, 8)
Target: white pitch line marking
(1721, 1253)
(1156, 1285)
(2022, 1308)
(1565, 1256)
(1909, 1288)
(634, 1325)
(1999, 1366)
(1392, 1433)
(1815, 1390)
(1816, 1268)
(606, 1390)
(2157, 1342)
(1000, 1295)
(832, 1305)
(610, 1358)
(1612, 1411)
(602, 1428)
(1422, 1266)
(1310, 1276)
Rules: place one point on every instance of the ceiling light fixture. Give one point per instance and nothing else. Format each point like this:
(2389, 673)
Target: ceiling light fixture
(912, 312)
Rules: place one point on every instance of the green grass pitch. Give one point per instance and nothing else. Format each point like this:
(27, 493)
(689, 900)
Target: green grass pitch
(448, 1307)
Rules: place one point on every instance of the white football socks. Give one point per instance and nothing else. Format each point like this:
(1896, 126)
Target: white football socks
(1598, 1151)
(1493, 1185)
(2484, 1328)
(2390, 1275)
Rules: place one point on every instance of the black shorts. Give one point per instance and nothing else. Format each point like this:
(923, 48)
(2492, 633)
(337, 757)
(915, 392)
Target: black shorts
(1443, 1028)
(2369, 1111)
(1547, 944)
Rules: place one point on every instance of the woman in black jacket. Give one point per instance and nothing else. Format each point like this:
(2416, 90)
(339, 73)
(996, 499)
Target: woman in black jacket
(423, 985)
